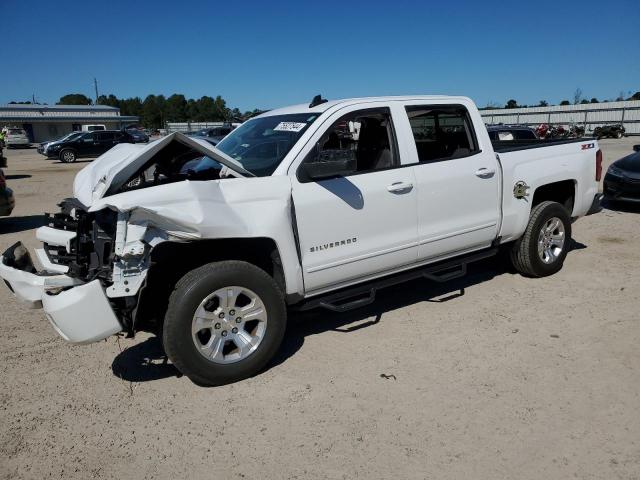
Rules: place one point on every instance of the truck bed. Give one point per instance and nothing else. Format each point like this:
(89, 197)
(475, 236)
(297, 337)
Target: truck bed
(515, 145)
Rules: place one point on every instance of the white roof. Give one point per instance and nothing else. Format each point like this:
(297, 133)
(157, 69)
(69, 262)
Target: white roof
(323, 107)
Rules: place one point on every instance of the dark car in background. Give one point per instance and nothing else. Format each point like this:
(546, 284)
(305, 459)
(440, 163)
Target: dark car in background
(138, 136)
(610, 131)
(622, 181)
(213, 135)
(43, 147)
(7, 202)
(507, 133)
(87, 144)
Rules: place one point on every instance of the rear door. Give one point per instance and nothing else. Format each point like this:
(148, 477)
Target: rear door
(106, 140)
(362, 224)
(458, 183)
(87, 145)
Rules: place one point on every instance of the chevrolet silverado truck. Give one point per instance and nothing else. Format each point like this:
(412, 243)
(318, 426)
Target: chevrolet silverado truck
(313, 205)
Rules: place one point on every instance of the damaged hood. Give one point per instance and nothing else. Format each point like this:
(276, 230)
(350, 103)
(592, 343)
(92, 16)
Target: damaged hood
(110, 171)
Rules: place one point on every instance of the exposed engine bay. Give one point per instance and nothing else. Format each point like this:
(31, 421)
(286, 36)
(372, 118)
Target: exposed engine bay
(114, 246)
(175, 163)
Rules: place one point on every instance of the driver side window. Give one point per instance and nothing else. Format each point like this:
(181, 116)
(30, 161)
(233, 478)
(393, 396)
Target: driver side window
(365, 135)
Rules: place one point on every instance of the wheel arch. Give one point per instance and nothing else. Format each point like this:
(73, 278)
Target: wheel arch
(563, 192)
(64, 149)
(170, 261)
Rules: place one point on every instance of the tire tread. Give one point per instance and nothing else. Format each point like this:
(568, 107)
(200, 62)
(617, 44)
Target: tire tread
(171, 341)
(520, 253)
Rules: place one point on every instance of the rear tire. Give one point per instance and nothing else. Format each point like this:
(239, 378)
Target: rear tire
(618, 135)
(544, 245)
(68, 156)
(206, 334)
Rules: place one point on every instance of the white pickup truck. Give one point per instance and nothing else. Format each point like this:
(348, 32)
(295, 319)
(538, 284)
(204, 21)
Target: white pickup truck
(314, 205)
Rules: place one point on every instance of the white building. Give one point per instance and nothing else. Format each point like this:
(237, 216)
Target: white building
(46, 122)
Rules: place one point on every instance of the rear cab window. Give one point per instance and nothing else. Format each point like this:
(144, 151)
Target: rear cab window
(442, 132)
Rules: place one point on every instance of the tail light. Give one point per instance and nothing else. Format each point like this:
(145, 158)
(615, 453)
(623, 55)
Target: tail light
(598, 165)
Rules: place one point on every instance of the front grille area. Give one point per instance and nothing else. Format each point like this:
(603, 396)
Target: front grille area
(91, 253)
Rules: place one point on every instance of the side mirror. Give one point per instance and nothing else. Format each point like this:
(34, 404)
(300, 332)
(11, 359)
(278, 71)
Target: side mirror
(636, 148)
(331, 163)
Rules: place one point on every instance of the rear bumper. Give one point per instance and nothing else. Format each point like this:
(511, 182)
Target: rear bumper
(79, 312)
(621, 189)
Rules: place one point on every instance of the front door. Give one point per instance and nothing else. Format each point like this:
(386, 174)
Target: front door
(458, 183)
(363, 223)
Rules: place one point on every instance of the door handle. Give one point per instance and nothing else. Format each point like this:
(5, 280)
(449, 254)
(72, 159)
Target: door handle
(400, 187)
(485, 173)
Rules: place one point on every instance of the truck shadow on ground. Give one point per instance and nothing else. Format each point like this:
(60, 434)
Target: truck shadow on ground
(146, 361)
(20, 224)
(17, 177)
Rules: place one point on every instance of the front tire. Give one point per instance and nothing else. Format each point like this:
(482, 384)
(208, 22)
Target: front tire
(544, 245)
(68, 156)
(225, 321)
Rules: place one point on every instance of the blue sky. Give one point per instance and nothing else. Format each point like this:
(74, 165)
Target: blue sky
(274, 53)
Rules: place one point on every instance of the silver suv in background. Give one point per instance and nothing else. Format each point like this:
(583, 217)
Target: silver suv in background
(15, 137)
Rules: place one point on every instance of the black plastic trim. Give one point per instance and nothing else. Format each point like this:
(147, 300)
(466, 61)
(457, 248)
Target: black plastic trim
(440, 272)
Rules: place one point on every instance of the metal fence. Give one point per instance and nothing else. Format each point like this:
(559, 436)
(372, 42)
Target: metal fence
(589, 115)
(193, 126)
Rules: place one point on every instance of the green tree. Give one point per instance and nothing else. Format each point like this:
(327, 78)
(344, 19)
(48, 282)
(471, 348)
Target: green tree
(152, 111)
(74, 99)
(111, 100)
(565, 102)
(594, 100)
(511, 104)
(584, 101)
(131, 106)
(176, 108)
(635, 96)
(543, 103)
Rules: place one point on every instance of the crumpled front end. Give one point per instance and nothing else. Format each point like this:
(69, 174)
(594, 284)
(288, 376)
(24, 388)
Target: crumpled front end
(78, 311)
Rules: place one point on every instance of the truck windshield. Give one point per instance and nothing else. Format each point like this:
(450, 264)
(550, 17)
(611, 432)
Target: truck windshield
(261, 144)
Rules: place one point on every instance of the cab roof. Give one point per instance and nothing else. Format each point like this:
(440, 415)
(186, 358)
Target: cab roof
(323, 107)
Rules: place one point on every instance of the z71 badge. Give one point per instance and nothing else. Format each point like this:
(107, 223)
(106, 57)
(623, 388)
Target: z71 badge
(339, 243)
(587, 146)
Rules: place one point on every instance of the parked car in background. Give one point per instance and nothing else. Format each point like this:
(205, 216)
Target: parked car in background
(15, 137)
(92, 128)
(511, 132)
(87, 144)
(610, 131)
(622, 181)
(7, 202)
(42, 148)
(138, 136)
(214, 133)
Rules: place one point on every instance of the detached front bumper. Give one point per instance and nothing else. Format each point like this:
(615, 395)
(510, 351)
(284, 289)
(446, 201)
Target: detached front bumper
(79, 312)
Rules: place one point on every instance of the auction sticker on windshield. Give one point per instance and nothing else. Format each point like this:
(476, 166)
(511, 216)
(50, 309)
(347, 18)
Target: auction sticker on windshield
(289, 126)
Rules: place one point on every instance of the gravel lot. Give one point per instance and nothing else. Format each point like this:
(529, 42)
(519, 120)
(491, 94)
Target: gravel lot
(493, 376)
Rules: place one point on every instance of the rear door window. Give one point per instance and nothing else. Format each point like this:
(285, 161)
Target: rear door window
(106, 136)
(442, 132)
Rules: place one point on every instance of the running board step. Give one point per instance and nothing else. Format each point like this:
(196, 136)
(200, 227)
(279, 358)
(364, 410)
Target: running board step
(365, 294)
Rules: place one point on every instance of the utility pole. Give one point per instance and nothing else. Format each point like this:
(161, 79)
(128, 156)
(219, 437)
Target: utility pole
(95, 84)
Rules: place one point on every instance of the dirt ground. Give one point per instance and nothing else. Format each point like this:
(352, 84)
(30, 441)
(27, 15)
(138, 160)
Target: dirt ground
(489, 377)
